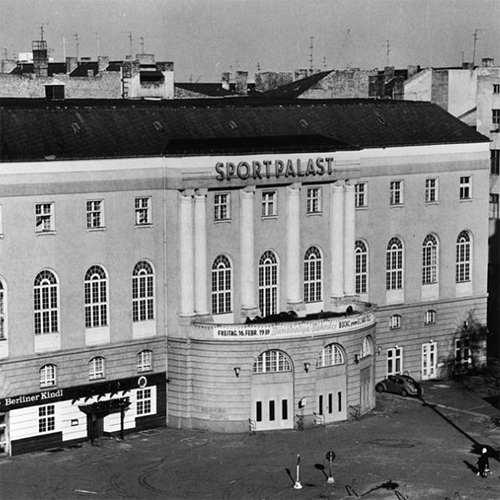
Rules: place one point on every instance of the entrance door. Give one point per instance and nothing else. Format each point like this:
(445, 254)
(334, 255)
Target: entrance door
(4, 434)
(331, 398)
(272, 401)
(429, 360)
(366, 389)
(95, 426)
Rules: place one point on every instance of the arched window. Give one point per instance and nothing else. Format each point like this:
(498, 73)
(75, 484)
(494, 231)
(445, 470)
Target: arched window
(48, 376)
(3, 318)
(96, 297)
(463, 257)
(268, 284)
(312, 275)
(143, 292)
(331, 355)
(394, 265)
(145, 361)
(367, 346)
(361, 270)
(221, 285)
(429, 260)
(96, 368)
(46, 303)
(272, 361)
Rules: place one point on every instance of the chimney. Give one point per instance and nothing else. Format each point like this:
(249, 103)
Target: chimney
(40, 58)
(242, 82)
(467, 65)
(71, 64)
(299, 74)
(487, 62)
(412, 70)
(226, 77)
(102, 63)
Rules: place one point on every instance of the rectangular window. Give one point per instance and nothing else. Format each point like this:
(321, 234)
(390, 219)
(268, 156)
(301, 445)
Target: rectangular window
(495, 161)
(314, 200)
(396, 193)
(463, 357)
(330, 402)
(431, 190)
(222, 206)
(269, 208)
(361, 194)
(44, 217)
(495, 118)
(144, 406)
(465, 188)
(395, 322)
(394, 360)
(258, 410)
(494, 208)
(95, 214)
(320, 404)
(271, 411)
(430, 317)
(339, 400)
(496, 88)
(284, 409)
(46, 418)
(96, 368)
(143, 211)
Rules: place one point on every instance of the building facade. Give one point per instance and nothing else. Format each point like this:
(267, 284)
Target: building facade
(230, 264)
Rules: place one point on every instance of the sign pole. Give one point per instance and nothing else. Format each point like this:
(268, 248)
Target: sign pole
(297, 484)
(330, 456)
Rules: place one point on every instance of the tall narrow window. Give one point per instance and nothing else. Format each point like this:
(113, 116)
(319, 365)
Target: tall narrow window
(394, 361)
(495, 118)
(495, 161)
(463, 258)
(269, 208)
(143, 211)
(222, 206)
(396, 193)
(314, 200)
(145, 361)
(394, 265)
(221, 285)
(96, 297)
(44, 217)
(95, 214)
(3, 322)
(496, 88)
(144, 402)
(429, 260)
(46, 418)
(361, 271)
(143, 298)
(46, 303)
(268, 284)
(465, 188)
(431, 190)
(494, 206)
(48, 376)
(361, 194)
(96, 368)
(312, 275)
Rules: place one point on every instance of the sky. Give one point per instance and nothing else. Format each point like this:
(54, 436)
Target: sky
(204, 38)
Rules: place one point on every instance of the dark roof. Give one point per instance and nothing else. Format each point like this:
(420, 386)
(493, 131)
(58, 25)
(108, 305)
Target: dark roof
(27, 68)
(296, 88)
(37, 129)
(85, 66)
(208, 89)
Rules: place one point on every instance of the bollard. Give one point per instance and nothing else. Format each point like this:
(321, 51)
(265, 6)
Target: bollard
(297, 484)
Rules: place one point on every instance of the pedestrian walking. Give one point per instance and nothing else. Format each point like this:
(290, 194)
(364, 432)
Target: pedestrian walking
(483, 464)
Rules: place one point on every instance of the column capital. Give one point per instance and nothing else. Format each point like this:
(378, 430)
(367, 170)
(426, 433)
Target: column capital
(201, 192)
(249, 189)
(187, 193)
(294, 188)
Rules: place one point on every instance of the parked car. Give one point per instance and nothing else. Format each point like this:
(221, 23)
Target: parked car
(399, 384)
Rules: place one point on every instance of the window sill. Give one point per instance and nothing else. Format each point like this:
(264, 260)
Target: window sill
(427, 203)
(314, 214)
(95, 229)
(465, 200)
(398, 205)
(143, 226)
(269, 217)
(222, 221)
(45, 233)
(362, 207)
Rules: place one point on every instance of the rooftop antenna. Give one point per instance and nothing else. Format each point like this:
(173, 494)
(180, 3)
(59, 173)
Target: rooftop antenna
(311, 60)
(41, 30)
(142, 45)
(5, 53)
(75, 36)
(64, 48)
(258, 67)
(97, 44)
(475, 37)
(324, 63)
(388, 51)
(130, 39)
